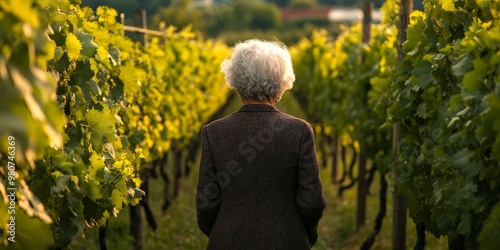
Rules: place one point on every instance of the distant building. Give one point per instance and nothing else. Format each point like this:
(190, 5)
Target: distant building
(288, 14)
(332, 14)
(350, 15)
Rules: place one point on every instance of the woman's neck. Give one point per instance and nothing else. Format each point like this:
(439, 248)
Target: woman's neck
(269, 101)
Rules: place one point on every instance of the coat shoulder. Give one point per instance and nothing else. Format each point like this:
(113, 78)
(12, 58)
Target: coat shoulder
(242, 119)
(221, 122)
(295, 120)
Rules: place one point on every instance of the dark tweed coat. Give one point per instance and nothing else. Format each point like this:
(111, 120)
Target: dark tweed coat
(259, 185)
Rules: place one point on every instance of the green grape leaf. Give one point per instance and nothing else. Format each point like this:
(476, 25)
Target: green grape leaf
(462, 66)
(89, 47)
(455, 101)
(102, 53)
(448, 5)
(62, 184)
(117, 198)
(138, 193)
(495, 58)
(439, 151)
(96, 168)
(101, 125)
(75, 199)
(130, 78)
(461, 158)
(83, 73)
(424, 73)
(464, 225)
(462, 161)
(93, 212)
(122, 186)
(92, 189)
(58, 52)
(473, 79)
(488, 238)
(109, 151)
(114, 55)
(421, 110)
(73, 46)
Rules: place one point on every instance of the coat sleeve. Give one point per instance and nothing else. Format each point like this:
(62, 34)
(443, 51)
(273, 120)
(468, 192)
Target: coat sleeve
(310, 199)
(208, 189)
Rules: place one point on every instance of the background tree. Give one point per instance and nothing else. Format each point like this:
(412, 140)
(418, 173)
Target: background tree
(265, 16)
(152, 6)
(280, 3)
(180, 14)
(231, 20)
(302, 4)
(237, 16)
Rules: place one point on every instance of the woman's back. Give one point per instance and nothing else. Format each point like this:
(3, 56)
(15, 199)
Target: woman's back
(259, 186)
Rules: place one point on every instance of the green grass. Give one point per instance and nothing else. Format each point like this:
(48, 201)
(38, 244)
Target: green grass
(178, 228)
(337, 228)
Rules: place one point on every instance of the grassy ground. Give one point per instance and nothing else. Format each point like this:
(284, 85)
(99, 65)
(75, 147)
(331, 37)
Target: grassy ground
(178, 228)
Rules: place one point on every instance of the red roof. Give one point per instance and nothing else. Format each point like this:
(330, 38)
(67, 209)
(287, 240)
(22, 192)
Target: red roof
(297, 14)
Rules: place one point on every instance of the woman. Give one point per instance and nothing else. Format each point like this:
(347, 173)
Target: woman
(259, 185)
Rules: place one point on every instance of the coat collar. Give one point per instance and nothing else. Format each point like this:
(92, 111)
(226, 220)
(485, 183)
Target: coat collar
(257, 108)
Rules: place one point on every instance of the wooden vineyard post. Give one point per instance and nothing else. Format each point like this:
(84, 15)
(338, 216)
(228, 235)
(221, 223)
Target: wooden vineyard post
(179, 159)
(399, 201)
(362, 183)
(334, 154)
(140, 21)
(362, 192)
(122, 21)
(136, 226)
(367, 20)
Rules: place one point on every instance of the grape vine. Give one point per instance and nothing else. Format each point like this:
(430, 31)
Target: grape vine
(346, 93)
(444, 94)
(91, 108)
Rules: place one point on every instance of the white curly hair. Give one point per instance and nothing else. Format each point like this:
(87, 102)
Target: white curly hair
(259, 69)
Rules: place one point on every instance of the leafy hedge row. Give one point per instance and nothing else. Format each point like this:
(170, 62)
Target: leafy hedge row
(88, 109)
(446, 97)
